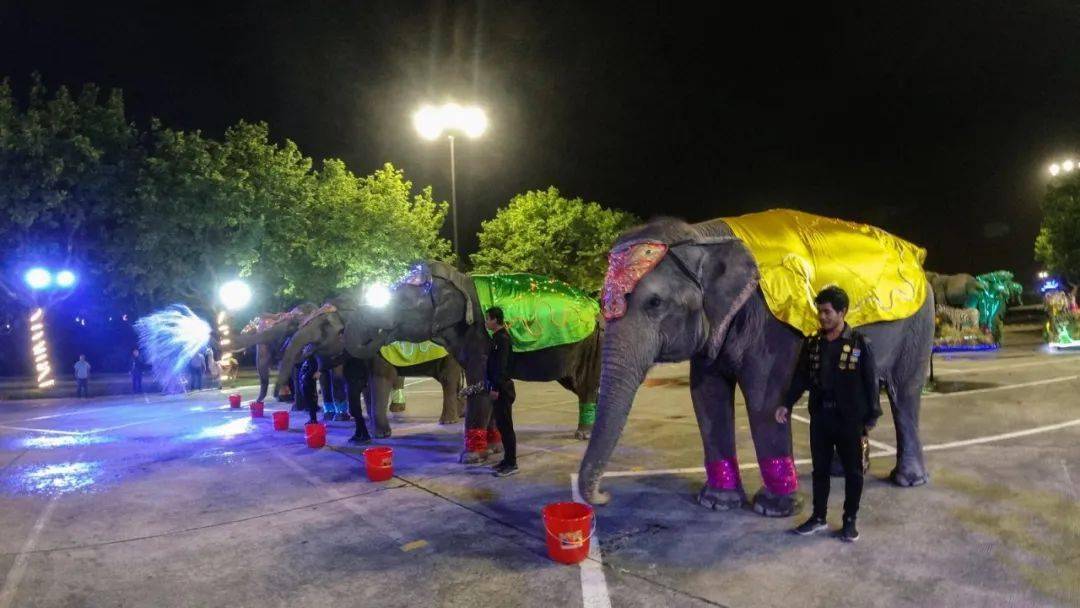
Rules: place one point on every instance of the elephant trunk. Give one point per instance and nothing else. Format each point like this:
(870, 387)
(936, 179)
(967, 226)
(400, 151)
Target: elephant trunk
(294, 352)
(627, 357)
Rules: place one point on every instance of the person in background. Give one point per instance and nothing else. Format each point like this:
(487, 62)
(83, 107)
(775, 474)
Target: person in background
(195, 369)
(137, 366)
(82, 377)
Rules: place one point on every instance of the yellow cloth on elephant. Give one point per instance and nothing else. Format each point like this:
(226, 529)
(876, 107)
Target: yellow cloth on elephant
(799, 254)
(404, 354)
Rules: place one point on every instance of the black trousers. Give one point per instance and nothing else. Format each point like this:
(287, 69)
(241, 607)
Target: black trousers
(136, 383)
(196, 379)
(504, 421)
(82, 387)
(829, 431)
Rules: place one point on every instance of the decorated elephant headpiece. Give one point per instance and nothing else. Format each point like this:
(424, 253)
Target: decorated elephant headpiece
(627, 264)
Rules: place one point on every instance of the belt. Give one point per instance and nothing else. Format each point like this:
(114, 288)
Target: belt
(828, 405)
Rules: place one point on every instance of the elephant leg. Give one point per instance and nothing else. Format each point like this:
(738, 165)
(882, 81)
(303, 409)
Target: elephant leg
(341, 395)
(477, 414)
(905, 401)
(587, 394)
(298, 389)
(382, 378)
(355, 375)
(262, 364)
(397, 395)
(450, 381)
(326, 387)
(778, 496)
(714, 405)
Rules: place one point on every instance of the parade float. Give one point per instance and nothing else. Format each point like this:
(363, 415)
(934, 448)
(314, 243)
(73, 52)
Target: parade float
(970, 310)
(1062, 330)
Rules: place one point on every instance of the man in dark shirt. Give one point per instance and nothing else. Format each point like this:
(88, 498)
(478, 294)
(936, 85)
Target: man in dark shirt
(501, 387)
(837, 366)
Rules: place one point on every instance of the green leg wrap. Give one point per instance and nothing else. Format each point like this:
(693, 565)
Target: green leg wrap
(586, 414)
(397, 395)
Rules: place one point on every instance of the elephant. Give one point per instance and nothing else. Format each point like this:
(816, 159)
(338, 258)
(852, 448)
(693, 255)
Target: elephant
(955, 290)
(437, 302)
(703, 301)
(269, 332)
(343, 331)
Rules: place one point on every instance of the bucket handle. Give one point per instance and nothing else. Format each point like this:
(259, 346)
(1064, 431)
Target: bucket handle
(592, 532)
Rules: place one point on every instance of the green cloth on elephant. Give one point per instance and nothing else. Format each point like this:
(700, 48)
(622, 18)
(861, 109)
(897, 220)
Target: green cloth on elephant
(405, 354)
(540, 312)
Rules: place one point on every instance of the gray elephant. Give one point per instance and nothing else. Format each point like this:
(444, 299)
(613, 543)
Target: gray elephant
(344, 330)
(955, 290)
(439, 303)
(268, 333)
(677, 291)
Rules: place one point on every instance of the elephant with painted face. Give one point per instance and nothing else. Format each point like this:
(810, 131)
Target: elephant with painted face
(352, 335)
(268, 333)
(677, 291)
(439, 303)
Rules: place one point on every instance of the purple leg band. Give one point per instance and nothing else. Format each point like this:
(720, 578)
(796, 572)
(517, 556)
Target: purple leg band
(723, 474)
(779, 475)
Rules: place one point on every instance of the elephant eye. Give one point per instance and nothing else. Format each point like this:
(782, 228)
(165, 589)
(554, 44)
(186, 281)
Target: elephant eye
(654, 302)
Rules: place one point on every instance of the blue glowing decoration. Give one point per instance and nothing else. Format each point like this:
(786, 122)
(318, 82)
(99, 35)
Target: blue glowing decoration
(1050, 285)
(65, 278)
(965, 348)
(170, 338)
(37, 278)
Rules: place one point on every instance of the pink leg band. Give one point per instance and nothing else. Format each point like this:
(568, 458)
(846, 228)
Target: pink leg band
(779, 475)
(723, 474)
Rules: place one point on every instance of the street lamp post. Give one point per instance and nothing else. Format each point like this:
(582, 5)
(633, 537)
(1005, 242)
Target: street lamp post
(433, 121)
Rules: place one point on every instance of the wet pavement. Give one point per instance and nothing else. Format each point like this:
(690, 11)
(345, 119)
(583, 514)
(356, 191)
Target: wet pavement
(181, 501)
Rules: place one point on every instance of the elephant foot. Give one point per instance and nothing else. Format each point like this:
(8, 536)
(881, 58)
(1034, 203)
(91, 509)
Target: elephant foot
(360, 439)
(473, 457)
(909, 474)
(721, 500)
(298, 408)
(397, 407)
(495, 448)
(383, 433)
(444, 419)
(776, 505)
(583, 432)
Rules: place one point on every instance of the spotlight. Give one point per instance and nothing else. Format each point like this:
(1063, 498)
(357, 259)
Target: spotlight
(65, 278)
(38, 278)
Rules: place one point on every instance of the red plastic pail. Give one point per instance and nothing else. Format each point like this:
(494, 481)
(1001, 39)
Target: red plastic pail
(281, 421)
(568, 527)
(256, 409)
(379, 463)
(234, 400)
(315, 434)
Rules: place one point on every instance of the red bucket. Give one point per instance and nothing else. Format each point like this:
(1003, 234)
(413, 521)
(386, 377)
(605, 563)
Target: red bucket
(234, 400)
(281, 421)
(315, 434)
(256, 409)
(568, 527)
(379, 463)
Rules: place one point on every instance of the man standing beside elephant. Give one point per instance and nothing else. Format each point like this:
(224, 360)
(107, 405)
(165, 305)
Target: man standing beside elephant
(837, 366)
(501, 387)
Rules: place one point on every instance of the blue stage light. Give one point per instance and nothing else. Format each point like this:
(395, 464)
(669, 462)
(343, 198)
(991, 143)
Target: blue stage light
(38, 278)
(65, 278)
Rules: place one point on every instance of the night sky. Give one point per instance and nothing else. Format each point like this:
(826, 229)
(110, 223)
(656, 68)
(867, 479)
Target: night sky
(935, 121)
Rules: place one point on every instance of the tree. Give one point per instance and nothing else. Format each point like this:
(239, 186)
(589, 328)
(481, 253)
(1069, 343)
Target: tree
(543, 232)
(361, 229)
(1058, 242)
(67, 166)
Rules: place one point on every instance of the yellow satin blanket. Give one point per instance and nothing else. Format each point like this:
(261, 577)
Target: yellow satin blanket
(799, 254)
(404, 354)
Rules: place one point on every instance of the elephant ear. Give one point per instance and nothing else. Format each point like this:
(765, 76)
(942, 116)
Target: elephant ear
(728, 276)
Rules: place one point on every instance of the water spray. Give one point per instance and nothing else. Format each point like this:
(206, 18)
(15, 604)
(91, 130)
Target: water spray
(171, 338)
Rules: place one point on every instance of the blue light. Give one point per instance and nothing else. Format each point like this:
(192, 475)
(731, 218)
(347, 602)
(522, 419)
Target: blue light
(37, 278)
(65, 278)
(1050, 285)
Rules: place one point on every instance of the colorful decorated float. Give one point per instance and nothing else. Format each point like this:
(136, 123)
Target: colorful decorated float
(1062, 331)
(971, 309)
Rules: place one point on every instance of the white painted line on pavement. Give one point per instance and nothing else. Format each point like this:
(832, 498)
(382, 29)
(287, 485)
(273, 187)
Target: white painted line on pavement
(877, 444)
(1005, 366)
(1001, 437)
(594, 589)
(18, 567)
(1004, 387)
(55, 432)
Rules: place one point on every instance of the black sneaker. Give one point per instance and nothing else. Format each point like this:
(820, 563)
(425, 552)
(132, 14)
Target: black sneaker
(849, 533)
(811, 526)
(505, 470)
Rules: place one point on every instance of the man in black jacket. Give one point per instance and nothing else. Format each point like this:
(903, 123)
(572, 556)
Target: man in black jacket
(837, 366)
(501, 387)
